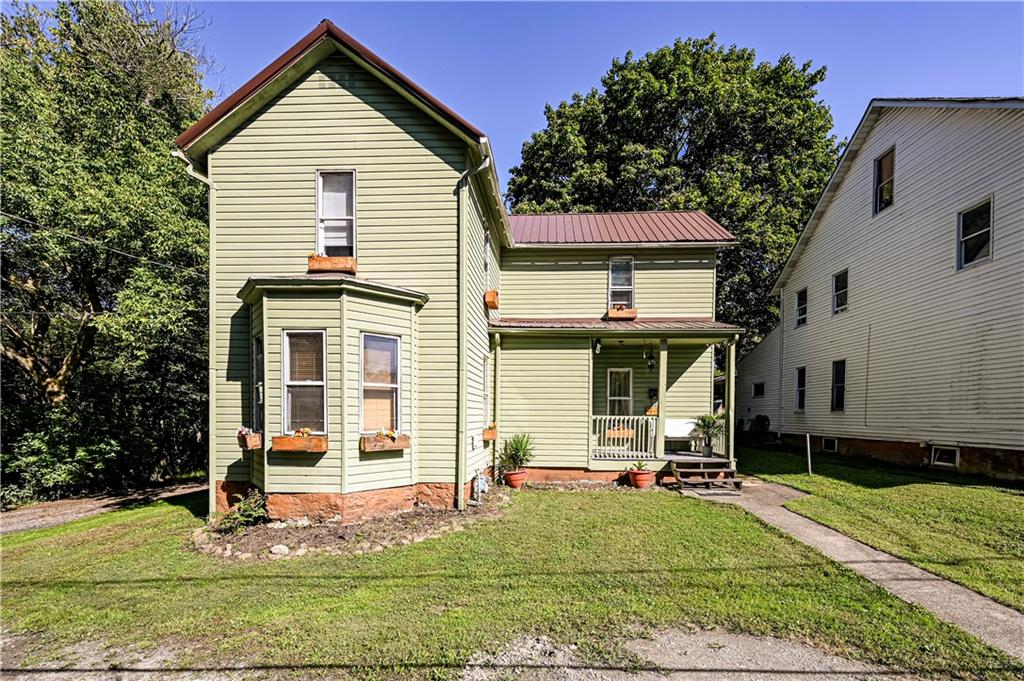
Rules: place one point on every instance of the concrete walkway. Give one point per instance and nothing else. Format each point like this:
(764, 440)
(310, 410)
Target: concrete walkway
(995, 624)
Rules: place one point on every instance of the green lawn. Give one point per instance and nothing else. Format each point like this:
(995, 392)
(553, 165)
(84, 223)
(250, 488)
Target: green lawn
(582, 567)
(967, 529)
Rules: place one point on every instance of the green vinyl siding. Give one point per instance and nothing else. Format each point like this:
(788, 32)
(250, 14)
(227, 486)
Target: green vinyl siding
(257, 458)
(263, 214)
(545, 391)
(689, 378)
(374, 470)
(566, 282)
(300, 471)
(477, 341)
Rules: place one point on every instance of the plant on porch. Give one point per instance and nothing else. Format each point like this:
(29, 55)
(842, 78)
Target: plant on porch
(491, 432)
(709, 427)
(640, 476)
(515, 454)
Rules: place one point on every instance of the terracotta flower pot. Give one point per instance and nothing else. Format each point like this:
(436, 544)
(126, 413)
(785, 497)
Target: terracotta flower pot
(515, 479)
(251, 441)
(491, 299)
(641, 479)
(490, 434)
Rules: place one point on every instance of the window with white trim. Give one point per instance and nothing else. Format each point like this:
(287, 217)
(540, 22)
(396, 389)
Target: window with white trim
(379, 396)
(620, 392)
(801, 387)
(256, 384)
(839, 385)
(801, 307)
(829, 444)
(946, 456)
(336, 212)
(885, 168)
(620, 282)
(974, 234)
(303, 376)
(840, 291)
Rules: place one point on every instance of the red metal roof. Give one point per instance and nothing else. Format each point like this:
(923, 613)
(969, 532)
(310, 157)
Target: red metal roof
(647, 324)
(323, 30)
(683, 226)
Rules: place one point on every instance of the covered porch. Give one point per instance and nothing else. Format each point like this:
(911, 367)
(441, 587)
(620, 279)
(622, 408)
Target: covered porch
(640, 385)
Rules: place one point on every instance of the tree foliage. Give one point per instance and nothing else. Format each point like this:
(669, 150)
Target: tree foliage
(104, 354)
(695, 125)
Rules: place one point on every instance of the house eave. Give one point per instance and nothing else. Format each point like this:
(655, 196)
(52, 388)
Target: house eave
(255, 286)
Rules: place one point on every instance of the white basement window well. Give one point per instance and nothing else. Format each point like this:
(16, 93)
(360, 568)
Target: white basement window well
(336, 212)
(380, 383)
(948, 457)
(303, 377)
(829, 444)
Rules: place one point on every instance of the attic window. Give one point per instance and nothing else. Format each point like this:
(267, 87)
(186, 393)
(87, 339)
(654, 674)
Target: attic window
(336, 212)
(884, 171)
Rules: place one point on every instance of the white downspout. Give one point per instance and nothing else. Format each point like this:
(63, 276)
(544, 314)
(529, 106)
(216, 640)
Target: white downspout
(190, 168)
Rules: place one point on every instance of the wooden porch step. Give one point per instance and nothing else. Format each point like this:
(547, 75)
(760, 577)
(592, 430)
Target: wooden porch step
(705, 471)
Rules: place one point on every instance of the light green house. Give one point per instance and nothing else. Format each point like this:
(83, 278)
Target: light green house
(331, 151)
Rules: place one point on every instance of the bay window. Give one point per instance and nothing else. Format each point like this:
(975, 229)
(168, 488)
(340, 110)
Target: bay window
(379, 394)
(303, 378)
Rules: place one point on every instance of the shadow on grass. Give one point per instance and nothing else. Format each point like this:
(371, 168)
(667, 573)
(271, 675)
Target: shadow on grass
(867, 473)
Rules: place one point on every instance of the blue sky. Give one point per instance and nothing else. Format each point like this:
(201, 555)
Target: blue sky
(497, 64)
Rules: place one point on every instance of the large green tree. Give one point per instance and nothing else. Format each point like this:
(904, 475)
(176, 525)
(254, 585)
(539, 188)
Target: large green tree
(104, 353)
(695, 125)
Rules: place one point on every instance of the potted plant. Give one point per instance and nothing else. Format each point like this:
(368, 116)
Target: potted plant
(247, 439)
(515, 454)
(491, 299)
(709, 427)
(301, 440)
(384, 440)
(620, 312)
(640, 476)
(331, 263)
(491, 432)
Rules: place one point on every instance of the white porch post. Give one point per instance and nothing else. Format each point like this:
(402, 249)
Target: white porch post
(730, 399)
(659, 441)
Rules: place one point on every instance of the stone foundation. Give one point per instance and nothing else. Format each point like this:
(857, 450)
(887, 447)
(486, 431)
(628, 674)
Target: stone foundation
(350, 508)
(1005, 464)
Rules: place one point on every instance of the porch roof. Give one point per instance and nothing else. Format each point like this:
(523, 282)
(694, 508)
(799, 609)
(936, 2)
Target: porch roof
(325, 281)
(659, 326)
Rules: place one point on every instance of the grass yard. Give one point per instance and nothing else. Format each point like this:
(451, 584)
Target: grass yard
(583, 567)
(969, 530)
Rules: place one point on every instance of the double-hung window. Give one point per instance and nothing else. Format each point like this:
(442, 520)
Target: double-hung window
(839, 385)
(256, 383)
(620, 282)
(303, 377)
(620, 392)
(801, 387)
(801, 307)
(380, 397)
(840, 291)
(336, 212)
(885, 166)
(974, 234)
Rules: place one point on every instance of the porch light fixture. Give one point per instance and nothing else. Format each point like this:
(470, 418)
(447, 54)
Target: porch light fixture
(651, 361)
(597, 346)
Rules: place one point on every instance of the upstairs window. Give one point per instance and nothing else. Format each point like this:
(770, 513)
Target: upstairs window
(620, 282)
(974, 235)
(620, 392)
(801, 307)
(305, 403)
(840, 291)
(839, 385)
(884, 167)
(379, 404)
(758, 390)
(801, 387)
(336, 212)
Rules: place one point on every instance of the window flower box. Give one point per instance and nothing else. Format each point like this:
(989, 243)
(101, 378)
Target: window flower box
(619, 433)
(250, 440)
(490, 434)
(382, 442)
(491, 299)
(331, 263)
(299, 443)
(619, 313)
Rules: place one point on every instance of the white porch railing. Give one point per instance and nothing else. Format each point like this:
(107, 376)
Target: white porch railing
(623, 437)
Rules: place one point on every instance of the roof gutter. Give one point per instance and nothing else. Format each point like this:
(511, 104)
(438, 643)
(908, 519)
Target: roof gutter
(190, 168)
(632, 245)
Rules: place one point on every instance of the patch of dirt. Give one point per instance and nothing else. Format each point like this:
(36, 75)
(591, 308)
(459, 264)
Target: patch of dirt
(280, 540)
(51, 513)
(676, 655)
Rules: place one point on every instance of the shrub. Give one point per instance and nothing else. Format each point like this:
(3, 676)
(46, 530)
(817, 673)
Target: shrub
(516, 452)
(248, 510)
(710, 426)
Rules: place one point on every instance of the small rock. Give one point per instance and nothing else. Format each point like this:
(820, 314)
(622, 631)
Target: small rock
(302, 522)
(404, 541)
(200, 537)
(245, 556)
(279, 550)
(277, 525)
(227, 551)
(300, 552)
(357, 552)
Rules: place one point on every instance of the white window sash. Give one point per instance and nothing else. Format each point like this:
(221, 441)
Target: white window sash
(397, 387)
(632, 280)
(323, 221)
(836, 307)
(961, 240)
(287, 382)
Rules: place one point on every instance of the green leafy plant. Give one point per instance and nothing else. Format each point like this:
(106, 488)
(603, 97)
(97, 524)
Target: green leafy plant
(516, 452)
(710, 426)
(638, 465)
(249, 509)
